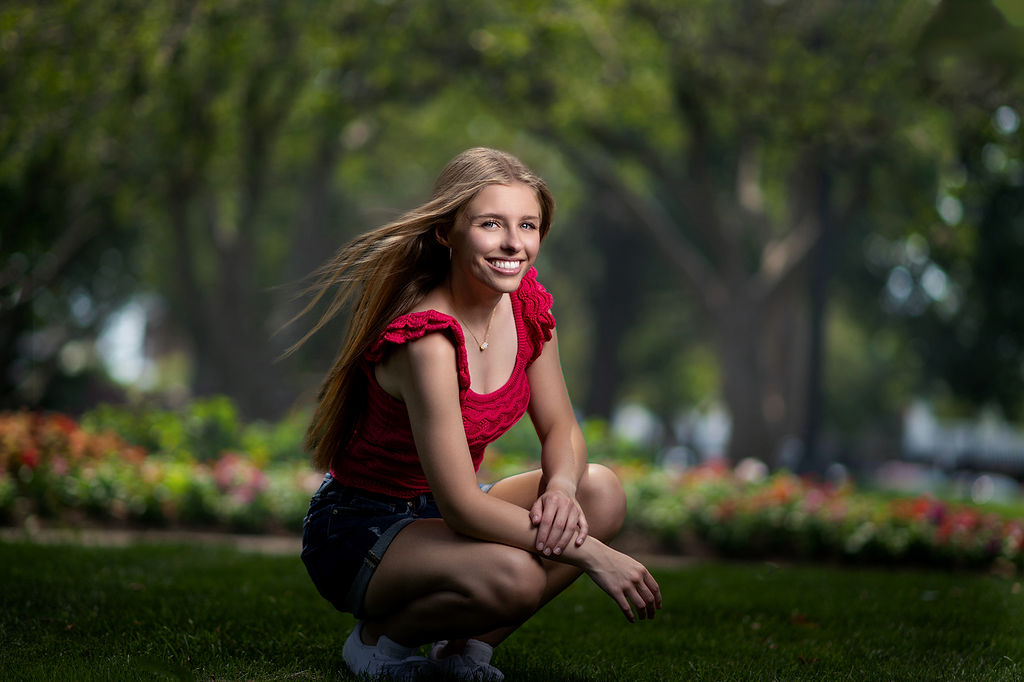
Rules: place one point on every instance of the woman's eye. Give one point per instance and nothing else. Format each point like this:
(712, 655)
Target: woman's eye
(528, 226)
(490, 223)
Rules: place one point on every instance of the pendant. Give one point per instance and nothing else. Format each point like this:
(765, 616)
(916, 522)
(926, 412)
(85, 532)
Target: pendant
(483, 346)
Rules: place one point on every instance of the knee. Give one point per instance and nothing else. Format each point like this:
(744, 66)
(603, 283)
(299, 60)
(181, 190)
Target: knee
(514, 585)
(603, 501)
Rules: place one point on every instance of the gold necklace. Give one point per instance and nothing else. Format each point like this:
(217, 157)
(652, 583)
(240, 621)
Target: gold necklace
(483, 345)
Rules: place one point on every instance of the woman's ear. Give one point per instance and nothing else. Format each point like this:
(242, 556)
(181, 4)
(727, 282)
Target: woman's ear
(441, 235)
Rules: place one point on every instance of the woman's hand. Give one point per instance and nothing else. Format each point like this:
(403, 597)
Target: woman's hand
(627, 581)
(558, 517)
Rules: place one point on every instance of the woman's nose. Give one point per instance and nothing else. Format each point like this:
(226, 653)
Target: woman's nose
(513, 241)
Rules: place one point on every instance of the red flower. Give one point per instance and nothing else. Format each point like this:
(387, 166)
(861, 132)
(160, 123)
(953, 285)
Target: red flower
(64, 423)
(30, 457)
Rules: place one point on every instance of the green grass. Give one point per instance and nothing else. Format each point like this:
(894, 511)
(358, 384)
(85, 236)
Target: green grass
(157, 612)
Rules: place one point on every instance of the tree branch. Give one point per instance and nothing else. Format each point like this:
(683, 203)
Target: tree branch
(701, 280)
(782, 258)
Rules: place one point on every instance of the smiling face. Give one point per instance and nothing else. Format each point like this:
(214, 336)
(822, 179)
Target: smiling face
(496, 237)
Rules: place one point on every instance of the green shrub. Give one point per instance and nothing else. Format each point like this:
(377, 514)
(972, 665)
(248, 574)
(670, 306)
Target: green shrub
(202, 430)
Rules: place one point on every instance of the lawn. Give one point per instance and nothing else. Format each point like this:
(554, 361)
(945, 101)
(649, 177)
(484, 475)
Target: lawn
(160, 612)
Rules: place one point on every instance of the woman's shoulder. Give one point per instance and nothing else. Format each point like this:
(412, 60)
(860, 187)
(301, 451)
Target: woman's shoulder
(438, 332)
(415, 325)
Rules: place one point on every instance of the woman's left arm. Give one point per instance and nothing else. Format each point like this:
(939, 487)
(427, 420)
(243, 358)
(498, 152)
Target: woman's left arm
(556, 513)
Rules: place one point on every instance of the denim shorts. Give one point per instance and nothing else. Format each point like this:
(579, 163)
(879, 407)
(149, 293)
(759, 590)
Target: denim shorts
(345, 534)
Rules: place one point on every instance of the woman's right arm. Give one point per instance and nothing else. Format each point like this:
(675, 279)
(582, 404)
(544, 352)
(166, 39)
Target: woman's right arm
(426, 377)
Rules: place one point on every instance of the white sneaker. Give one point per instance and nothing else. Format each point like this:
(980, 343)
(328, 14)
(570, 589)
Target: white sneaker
(472, 665)
(388, 660)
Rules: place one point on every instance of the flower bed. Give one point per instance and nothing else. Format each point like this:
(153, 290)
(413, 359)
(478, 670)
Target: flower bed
(54, 469)
(787, 516)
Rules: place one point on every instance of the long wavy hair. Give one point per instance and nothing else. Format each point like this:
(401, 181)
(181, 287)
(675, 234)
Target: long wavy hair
(386, 272)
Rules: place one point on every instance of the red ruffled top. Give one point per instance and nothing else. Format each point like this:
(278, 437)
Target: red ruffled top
(382, 456)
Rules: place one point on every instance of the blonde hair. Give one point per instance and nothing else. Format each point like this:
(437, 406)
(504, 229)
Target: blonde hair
(387, 271)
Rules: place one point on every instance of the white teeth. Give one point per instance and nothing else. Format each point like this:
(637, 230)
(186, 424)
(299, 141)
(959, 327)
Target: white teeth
(509, 265)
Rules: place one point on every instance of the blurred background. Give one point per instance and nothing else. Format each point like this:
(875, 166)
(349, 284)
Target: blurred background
(789, 231)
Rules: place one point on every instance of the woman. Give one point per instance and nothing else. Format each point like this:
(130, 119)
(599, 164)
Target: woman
(450, 342)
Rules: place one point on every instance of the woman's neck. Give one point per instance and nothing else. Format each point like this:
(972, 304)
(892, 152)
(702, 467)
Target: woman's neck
(474, 307)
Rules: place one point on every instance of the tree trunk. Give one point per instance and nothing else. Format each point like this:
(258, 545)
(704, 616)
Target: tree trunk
(614, 302)
(813, 458)
(762, 353)
(758, 315)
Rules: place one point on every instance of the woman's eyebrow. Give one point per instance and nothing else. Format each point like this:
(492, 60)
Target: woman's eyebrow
(501, 217)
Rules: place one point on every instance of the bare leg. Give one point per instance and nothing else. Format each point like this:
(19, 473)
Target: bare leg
(604, 504)
(435, 584)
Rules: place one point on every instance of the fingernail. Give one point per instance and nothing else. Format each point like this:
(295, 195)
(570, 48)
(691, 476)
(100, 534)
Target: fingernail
(547, 552)
(540, 546)
(558, 550)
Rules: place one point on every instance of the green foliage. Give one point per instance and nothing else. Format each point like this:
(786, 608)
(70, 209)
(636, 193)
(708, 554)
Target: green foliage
(975, 345)
(872, 374)
(947, 230)
(519, 449)
(605, 447)
(204, 155)
(202, 430)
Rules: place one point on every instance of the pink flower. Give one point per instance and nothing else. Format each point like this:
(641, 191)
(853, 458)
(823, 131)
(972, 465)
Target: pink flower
(59, 466)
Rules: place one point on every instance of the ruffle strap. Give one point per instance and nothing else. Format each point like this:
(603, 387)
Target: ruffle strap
(537, 317)
(412, 326)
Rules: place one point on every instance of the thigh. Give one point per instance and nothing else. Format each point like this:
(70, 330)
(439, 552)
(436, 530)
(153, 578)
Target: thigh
(521, 490)
(428, 557)
(596, 485)
(600, 495)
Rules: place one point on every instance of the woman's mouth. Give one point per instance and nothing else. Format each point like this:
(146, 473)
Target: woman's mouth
(504, 266)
